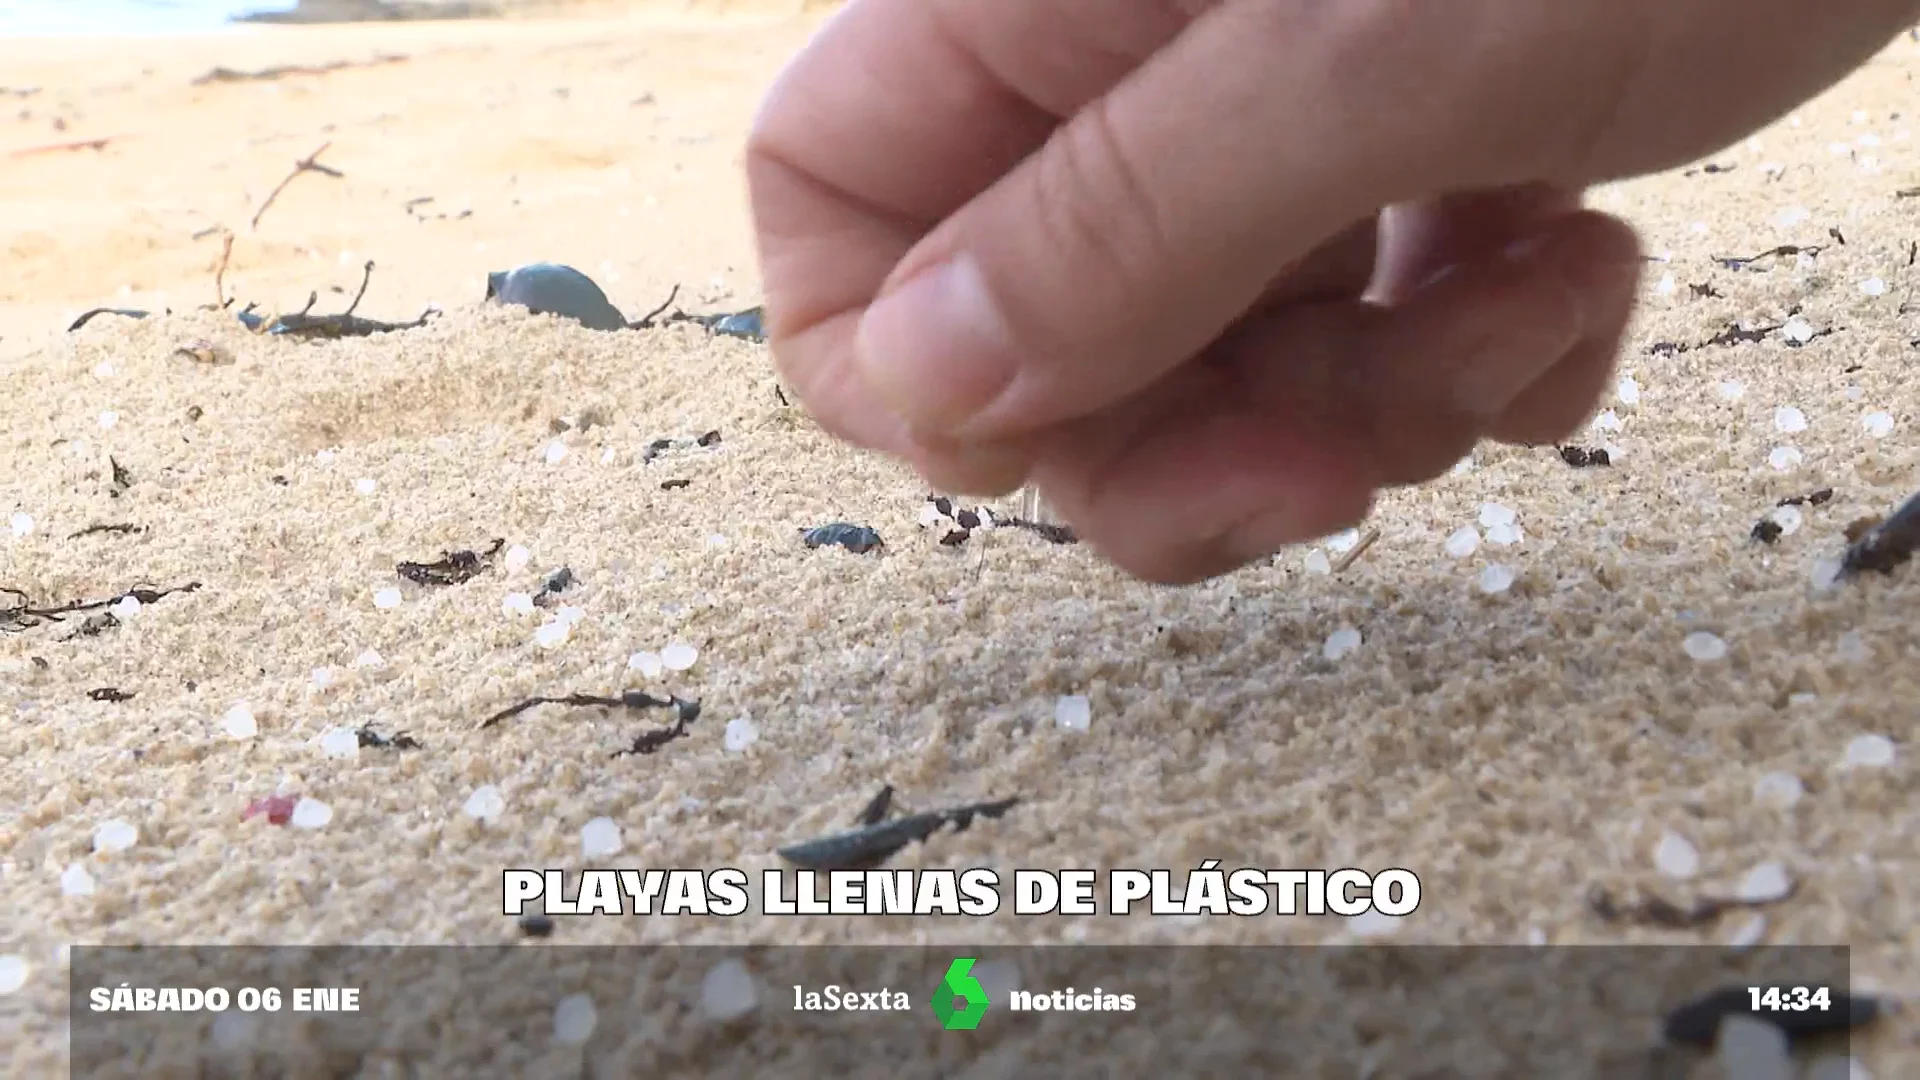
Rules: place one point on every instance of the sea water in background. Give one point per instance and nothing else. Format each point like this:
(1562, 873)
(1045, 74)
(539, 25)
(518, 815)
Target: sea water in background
(98, 18)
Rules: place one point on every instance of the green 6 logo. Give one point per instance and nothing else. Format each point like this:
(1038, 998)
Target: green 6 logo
(960, 1001)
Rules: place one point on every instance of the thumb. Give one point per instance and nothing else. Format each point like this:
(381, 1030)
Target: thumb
(1156, 217)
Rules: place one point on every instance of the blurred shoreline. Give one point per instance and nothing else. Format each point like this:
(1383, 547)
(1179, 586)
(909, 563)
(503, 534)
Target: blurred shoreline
(164, 18)
(122, 18)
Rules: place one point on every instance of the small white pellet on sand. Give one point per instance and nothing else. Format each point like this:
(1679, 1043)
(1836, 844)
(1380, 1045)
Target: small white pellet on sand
(1704, 646)
(1750, 1049)
(1340, 643)
(553, 634)
(1372, 924)
(1073, 712)
(1873, 286)
(1675, 856)
(114, 835)
(1463, 542)
(1824, 573)
(386, 599)
(1317, 562)
(322, 678)
(239, 722)
(75, 881)
(1868, 752)
(14, 970)
(1778, 790)
(1462, 467)
(1342, 542)
(606, 456)
(1798, 330)
(1837, 1067)
(1788, 518)
(740, 734)
(570, 614)
(126, 608)
(1852, 648)
(1733, 390)
(22, 523)
(556, 452)
(728, 991)
(1784, 458)
(679, 656)
(103, 370)
(369, 658)
(310, 813)
(324, 457)
(1764, 884)
(517, 559)
(1629, 390)
(1665, 286)
(1505, 534)
(1495, 579)
(109, 418)
(1748, 932)
(340, 742)
(517, 603)
(1788, 420)
(1607, 421)
(232, 1031)
(486, 804)
(1877, 425)
(646, 663)
(600, 838)
(1492, 514)
(366, 485)
(574, 1020)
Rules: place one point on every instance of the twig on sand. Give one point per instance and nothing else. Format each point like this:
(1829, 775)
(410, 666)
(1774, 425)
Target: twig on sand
(626, 699)
(279, 71)
(220, 272)
(54, 148)
(1359, 549)
(22, 614)
(309, 163)
(646, 321)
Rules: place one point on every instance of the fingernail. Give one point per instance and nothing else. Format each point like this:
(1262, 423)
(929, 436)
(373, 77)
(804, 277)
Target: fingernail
(936, 350)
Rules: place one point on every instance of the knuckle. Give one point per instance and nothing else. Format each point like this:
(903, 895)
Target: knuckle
(1097, 206)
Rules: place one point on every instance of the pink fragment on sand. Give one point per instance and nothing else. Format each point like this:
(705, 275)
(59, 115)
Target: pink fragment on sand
(278, 808)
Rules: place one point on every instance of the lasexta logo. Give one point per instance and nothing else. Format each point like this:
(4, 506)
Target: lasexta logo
(960, 1001)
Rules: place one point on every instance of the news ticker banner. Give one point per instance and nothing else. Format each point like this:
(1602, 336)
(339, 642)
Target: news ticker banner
(537, 1010)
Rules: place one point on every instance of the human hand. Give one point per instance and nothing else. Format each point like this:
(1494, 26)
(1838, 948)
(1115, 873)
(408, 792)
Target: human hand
(1213, 272)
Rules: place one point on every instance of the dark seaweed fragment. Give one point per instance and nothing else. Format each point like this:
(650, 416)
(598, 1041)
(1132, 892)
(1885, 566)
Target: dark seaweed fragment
(869, 845)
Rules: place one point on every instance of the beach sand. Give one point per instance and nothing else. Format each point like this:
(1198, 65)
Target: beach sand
(1515, 750)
